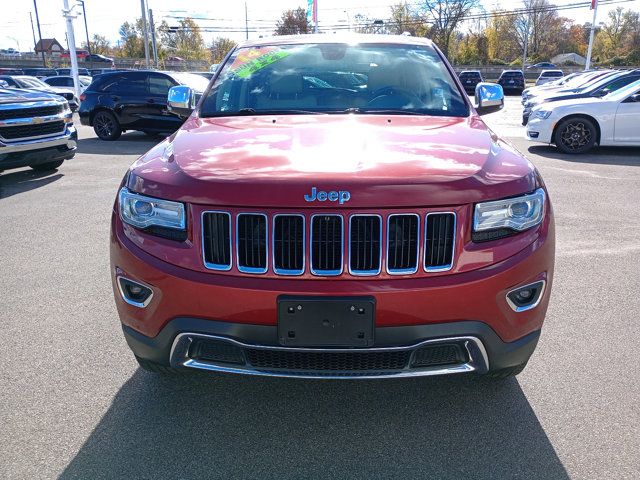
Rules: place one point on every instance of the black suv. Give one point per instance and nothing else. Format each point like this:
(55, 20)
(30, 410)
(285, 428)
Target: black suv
(469, 79)
(134, 100)
(512, 81)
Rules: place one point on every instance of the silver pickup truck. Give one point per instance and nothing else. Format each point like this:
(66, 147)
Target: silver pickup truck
(36, 130)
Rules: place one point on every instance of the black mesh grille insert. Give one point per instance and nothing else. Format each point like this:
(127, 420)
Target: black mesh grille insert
(402, 255)
(33, 130)
(327, 361)
(439, 241)
(30, 112)
(288, 244)
(326, 244)
(452, 354)
(252, 243)
(216, 229)
(212, 351)
(365, 244)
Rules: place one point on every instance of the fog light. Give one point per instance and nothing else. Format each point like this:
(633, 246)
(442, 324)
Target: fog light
(526, 297)
(134, 293)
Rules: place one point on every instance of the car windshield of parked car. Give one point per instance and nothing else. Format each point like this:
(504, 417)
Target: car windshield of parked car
(197, 82)
(332, 78)
(31, 82)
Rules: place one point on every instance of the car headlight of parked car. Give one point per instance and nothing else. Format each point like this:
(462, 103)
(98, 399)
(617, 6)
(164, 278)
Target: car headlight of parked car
(542, 114)
(502, 218)
(144, 212)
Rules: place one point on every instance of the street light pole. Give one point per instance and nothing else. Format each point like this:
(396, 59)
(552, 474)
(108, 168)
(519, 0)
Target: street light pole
(35, 6)
(86, 30)
(68, 14)
(145, 32)
(594, 5)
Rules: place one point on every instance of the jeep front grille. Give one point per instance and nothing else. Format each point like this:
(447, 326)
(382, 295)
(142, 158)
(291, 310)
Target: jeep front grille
(396, 243)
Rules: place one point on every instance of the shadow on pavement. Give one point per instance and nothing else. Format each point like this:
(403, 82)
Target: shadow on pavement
(131, 143)
(25, 180)
(600, 155)
(236, 427)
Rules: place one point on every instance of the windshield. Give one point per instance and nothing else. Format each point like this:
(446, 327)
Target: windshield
(32, 82)
(331, 78)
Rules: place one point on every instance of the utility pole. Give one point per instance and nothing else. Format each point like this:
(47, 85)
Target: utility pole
(145, 31)
(594, 6)
(86, 30)
(33, 32)
(68, 14)
(154, 46)
(526, 43)
(246, 22)
(35, 5)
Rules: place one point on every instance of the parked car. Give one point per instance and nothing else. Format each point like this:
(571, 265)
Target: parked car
(40, 72)
(207, 75)
(297, 231)
(133, 100)
(10, 53)
(37, 85)
(469, 79)
(576, 79)
(547, 76)
(67, 71)
(598, 87)
(36, 130)
(577, 126)
(512, 81)
(96, 58)
(11, 71)
(100, 71)
(542, 65)
(67, 81)
(82, 54)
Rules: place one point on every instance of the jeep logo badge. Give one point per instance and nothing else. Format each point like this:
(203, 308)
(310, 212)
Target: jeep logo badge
(341, 196)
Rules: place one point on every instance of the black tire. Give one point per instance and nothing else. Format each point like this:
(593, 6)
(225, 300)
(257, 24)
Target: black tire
(575, 135)
(43, 167)
(106, 126)
(154, 367)
(506, 372)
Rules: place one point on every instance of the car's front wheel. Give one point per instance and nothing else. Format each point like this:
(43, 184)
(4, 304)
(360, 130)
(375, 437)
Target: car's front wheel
(575, 135)
(106, 126)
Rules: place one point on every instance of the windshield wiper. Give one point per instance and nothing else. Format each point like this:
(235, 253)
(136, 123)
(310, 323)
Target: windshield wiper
(381, 111)
(283, 111)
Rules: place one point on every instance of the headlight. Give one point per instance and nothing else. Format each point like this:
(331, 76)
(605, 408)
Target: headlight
(501, 218)
(144, 212)
(542, 114)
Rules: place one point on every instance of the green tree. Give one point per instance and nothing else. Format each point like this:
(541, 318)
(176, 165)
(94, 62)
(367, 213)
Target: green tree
(220, 47)
(293, 22)
(184, 41)
(99, 44)
(445, 16)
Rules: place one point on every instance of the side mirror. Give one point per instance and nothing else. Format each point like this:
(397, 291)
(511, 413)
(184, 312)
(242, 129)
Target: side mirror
(181, 100)
(489, 98)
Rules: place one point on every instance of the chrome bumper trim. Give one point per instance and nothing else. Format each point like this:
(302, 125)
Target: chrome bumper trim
(62, 139)
(478, 359)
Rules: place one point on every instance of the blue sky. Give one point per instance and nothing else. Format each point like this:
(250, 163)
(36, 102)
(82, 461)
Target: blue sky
(225, 17)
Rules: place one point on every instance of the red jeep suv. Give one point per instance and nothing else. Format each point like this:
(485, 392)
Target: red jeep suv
(334, 207)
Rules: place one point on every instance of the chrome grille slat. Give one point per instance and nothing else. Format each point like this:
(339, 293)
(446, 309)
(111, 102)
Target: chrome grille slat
(251, 242)
(327, 244)
(440, 233)
(365, 244)
(216, 240)
(403, 231)
(288, 244)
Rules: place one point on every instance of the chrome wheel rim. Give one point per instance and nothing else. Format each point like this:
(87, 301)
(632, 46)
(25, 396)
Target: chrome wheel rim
(575, 136)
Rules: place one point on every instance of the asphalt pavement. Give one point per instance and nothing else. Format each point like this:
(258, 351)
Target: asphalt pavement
(74, 404)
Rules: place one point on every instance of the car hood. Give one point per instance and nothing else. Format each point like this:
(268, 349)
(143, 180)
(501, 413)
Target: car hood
(17, 95)
(381, 160)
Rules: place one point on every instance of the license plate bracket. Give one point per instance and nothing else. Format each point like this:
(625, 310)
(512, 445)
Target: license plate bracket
(326, 321)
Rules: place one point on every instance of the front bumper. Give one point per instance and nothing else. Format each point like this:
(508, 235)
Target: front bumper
(34, 152)
(540, 130)
(254, 350)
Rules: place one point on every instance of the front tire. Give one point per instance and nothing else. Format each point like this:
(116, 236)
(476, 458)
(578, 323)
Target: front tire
(43, 167)
(575, 135)
(106, 126)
